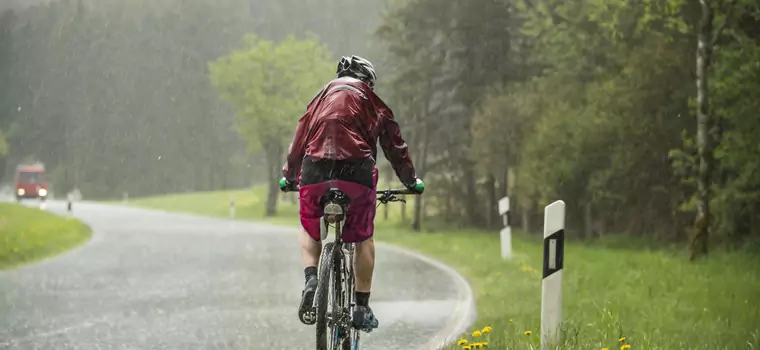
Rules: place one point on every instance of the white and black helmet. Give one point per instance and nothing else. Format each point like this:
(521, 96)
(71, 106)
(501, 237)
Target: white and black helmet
(358, 68)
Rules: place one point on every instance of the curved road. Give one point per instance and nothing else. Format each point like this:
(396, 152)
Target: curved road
(156, 280)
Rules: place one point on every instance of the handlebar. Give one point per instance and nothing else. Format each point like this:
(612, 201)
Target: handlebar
(383, 196)
(386, 196)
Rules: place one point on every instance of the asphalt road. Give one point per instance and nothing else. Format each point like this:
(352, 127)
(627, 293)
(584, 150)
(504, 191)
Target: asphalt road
(156, 280)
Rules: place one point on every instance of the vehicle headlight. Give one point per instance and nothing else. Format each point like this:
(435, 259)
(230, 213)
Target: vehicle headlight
(42, 192)
(20, 191)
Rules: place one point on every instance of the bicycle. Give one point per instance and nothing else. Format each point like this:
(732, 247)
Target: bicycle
(334, 298)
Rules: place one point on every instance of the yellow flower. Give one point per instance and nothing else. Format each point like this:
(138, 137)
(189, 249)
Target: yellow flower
(486, 329)
(528, 332)
(462, 342)
(484, 344)
(625, 347)
(476, 334)
(605, 349)
(477, 345)
(466, 347)
(622, 339)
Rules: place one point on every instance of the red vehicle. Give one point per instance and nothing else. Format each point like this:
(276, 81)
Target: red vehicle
(30, 182)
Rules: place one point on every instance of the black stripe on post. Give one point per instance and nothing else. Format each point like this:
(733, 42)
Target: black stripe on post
(558, 239)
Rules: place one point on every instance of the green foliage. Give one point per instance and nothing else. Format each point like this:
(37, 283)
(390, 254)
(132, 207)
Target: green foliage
(595, 107)
(738, 188)
(269, 85)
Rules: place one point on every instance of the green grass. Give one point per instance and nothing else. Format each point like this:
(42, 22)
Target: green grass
(656, 299)
(30, 234)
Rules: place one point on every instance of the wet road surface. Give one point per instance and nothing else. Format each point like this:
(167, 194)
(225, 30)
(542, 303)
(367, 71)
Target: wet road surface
(156, 280)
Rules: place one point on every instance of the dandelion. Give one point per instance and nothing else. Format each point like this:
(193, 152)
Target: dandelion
(528, 332)
(466, 347)
(462, 342)
(622, 339)
(486, 329)
(605, 349)
(625, 347)
(477, 345)
(476, 334)
(484, 344)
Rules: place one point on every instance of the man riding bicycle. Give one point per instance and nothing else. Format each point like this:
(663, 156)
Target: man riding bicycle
(335, 146)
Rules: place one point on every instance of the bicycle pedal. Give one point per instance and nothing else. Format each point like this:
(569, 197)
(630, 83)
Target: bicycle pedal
(309, 317)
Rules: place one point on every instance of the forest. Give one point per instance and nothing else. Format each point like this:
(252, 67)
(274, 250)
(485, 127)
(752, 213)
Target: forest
(639, 114)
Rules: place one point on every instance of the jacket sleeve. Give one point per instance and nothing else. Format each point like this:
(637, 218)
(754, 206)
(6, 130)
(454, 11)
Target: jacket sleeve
(394, 147)
(296, 151)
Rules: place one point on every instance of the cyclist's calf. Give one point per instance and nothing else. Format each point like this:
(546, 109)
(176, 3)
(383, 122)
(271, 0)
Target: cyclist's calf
(310, 249)
(364, 265)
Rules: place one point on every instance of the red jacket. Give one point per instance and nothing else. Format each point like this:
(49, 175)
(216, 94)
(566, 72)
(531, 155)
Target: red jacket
(344, 121)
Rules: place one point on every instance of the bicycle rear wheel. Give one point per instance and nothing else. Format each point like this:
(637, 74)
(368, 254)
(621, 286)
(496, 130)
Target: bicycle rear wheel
(320, 298)
(340, 308)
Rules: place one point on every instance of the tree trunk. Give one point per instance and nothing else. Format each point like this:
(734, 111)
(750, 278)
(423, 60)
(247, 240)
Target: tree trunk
(588, 220)
(699, 237)
(447, 207)
(471, 205)
(273, 155)
(417, 216)
(525, 217)
(421, 166)
(492, 217)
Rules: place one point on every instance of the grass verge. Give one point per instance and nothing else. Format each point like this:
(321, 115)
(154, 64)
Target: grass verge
(29, 234)
(612, 298)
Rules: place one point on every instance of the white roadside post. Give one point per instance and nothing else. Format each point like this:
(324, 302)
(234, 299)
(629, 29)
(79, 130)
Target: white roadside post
(232, 207)
(506, 232)
(551, 286)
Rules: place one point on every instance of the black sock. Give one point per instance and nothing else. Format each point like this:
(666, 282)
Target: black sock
(362, 299)
(310, 271)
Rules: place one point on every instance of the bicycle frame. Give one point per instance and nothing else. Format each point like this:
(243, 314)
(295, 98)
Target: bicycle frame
(339, 309)
(337, 314)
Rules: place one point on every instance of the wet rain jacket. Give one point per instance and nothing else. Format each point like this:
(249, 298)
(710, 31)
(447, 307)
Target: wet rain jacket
(344, 121)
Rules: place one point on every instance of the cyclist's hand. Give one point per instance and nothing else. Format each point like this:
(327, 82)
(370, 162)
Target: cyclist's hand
(418, 186)
(285, 185)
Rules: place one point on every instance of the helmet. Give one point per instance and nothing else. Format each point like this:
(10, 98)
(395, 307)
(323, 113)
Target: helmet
(358, 68)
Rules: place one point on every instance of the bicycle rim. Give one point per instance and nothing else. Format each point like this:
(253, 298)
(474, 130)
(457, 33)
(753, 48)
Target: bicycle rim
(322, 295)
(349, 285)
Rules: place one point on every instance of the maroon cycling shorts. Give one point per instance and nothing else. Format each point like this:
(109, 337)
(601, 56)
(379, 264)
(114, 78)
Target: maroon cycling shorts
(360, 217)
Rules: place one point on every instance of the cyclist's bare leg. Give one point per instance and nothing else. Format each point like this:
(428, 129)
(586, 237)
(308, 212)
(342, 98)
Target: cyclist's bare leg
(310, 249)
(365, 265)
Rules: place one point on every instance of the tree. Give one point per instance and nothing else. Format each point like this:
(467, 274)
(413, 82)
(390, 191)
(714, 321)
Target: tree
(707, 37)
(268, 84)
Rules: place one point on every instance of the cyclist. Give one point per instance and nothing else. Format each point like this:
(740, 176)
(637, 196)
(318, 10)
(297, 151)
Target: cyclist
(335, 146)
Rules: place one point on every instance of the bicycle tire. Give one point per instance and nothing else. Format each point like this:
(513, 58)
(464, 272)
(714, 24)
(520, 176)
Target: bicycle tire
(339, 301)
(323, 281)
